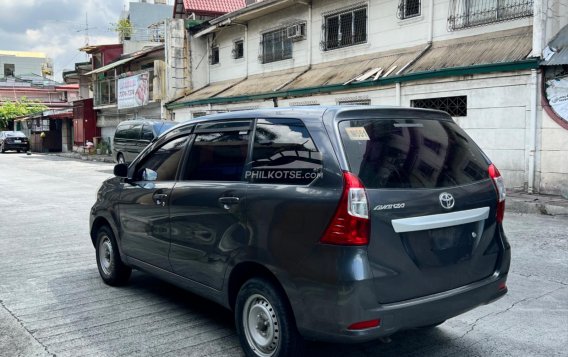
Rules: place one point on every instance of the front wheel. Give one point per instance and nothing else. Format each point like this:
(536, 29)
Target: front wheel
(111, 268)
(264, 320)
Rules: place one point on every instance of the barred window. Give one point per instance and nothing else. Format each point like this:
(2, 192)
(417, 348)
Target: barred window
(470, 13)
(276, 46)
(238, 49)
(455, 106)
(346, 28)
(354, 102)
(214, 58)
(408, 9)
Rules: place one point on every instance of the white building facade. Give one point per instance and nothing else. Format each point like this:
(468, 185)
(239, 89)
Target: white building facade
(476, 59)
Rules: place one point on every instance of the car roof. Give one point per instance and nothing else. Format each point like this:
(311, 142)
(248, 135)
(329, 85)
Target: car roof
(145, 121)
(323, 112)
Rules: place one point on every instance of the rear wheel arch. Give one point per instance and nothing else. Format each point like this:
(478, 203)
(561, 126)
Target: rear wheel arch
(242, 272)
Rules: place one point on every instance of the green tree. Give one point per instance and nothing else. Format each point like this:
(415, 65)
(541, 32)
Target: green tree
(13, 109)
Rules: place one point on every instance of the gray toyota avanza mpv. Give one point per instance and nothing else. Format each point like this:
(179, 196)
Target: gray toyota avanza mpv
(341, 224)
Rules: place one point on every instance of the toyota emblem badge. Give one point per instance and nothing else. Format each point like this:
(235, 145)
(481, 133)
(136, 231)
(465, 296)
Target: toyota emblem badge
(447, 200)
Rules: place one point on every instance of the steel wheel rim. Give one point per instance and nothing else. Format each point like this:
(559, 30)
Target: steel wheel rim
(105, 255)
(262, 329)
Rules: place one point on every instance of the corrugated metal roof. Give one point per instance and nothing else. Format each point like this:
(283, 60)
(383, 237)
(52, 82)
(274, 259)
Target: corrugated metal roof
(558, 59)
(559, 44)
(209, 91)
(213, 6)
(495, 47)
(262, 83)
(341, 71)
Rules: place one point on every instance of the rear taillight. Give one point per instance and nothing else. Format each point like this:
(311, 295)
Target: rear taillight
(350, 224)
(501, 193)
(364, 325)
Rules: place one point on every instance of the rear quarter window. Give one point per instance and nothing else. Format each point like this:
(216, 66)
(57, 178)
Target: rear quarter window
(411, 153)
(283, 153)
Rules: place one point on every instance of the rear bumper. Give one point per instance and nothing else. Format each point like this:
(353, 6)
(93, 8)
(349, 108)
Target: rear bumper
(8, 146)
(404, 315)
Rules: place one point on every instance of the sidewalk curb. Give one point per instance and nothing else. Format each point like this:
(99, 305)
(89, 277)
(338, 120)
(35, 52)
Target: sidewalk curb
(537, 204)
(84, 157)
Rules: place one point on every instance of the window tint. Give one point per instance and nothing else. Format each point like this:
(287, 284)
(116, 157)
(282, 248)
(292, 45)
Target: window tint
(164, 160)
(121, 131)
(134, 132)
(411, 153)
(283, 153)
(217, 156)
(147, 133)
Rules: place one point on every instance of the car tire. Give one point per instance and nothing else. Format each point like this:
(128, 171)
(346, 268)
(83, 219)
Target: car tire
(264, 321)
(111, 268)
(2, 149)
(120, 159)
(18, 151)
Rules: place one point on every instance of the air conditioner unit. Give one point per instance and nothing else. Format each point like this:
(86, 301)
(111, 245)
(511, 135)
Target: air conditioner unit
(297, 31)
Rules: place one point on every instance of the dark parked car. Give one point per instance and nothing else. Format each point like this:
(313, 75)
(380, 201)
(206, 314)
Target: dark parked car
(340, 224)
(13, 140)
(132, 136)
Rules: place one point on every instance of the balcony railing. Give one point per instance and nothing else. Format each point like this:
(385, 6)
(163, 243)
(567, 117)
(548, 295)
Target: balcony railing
(470, 13)
(105, 89)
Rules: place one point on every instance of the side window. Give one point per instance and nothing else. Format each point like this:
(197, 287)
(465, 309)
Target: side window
(164, 160)
(217, 156)
(121, 131)
(133, 132)
(284, 153)
(147, 133)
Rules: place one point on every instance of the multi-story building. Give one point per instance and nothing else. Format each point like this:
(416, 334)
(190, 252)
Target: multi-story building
(18, 63)
(476, 59)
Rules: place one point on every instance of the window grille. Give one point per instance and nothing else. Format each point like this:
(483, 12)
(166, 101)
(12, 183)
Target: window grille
(275, 46)
(198, 114)
(470, 13)
(455, 106)
(345, 29)
(214, 57)
(354, 102)
(408, 9)
(238, 49)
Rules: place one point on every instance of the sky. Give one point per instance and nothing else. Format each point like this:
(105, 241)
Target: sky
(57, 27)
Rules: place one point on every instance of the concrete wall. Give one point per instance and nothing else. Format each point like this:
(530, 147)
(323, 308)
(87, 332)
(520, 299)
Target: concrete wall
(22, 65)
(552, 164)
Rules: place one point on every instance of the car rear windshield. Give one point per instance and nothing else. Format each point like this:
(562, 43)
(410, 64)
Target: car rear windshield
(411, 153)
(18, 134)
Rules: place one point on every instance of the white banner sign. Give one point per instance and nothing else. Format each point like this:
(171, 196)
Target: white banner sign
(557, 94)
(133, 91)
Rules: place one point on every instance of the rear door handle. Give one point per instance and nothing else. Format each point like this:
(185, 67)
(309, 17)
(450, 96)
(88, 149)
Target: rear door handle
(227, 202)
(160, 198)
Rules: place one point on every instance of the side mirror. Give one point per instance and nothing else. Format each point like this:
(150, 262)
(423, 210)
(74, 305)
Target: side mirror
(121, 170)
(149, 175)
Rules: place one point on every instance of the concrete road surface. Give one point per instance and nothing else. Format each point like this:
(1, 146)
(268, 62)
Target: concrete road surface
(52, 301)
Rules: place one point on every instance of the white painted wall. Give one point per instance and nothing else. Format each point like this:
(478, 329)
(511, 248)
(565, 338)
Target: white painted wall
(385, 32)
(552, 173)
(22, 65)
